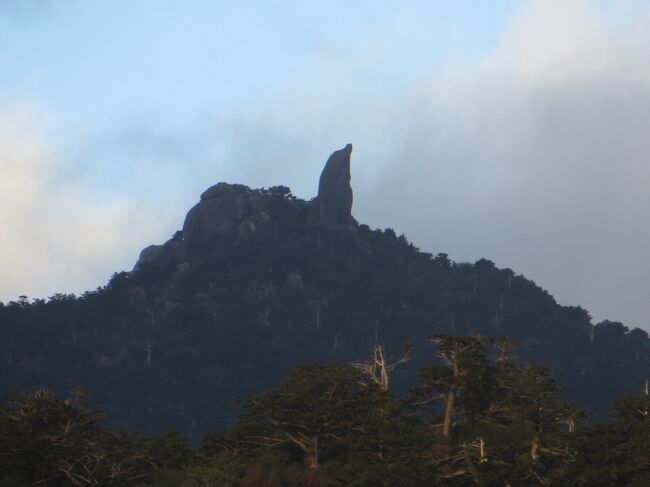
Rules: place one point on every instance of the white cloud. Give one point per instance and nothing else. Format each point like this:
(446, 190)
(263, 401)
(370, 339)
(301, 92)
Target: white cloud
(537, 157)
(555, 40)
(58, 235)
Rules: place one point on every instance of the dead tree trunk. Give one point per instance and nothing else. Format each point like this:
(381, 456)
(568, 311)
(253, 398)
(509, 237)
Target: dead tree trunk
(312, 453)
(449, 413)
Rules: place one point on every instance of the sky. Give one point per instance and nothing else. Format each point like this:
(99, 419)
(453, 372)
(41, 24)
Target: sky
(512, 130)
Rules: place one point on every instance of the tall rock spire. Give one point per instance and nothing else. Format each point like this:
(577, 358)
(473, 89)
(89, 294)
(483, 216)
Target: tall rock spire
(334, 200)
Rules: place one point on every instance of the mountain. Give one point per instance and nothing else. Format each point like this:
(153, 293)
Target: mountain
(258, 280)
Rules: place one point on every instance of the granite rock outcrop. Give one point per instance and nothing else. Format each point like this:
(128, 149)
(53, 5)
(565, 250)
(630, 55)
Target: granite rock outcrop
(333, 205)
(226, 213)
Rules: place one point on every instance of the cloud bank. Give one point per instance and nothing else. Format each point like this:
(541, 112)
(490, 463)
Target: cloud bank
(58, 234)
(538, 159)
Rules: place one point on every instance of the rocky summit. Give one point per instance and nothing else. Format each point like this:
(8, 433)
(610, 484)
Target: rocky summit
(333, 205)
(227, 212)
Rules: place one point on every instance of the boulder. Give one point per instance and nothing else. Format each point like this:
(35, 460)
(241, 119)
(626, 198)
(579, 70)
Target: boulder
(221, 189)
(171, 252)
(215, 216)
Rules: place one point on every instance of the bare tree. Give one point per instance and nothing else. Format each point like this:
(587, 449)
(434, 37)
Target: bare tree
(379, 369)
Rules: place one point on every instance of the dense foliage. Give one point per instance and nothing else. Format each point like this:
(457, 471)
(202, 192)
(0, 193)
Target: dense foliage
(174, 347)
(475, 417)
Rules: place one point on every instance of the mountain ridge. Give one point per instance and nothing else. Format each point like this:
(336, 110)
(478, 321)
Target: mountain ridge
(258, 280)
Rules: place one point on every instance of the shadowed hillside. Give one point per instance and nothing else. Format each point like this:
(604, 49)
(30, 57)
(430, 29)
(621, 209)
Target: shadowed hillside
(258, 280)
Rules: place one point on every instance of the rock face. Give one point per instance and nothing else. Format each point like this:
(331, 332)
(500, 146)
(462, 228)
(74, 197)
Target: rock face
(231, 212)
(334, 200)
(171, 252)
(216, 215)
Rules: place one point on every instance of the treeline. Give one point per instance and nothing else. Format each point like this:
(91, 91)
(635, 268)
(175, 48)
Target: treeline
(476, 417)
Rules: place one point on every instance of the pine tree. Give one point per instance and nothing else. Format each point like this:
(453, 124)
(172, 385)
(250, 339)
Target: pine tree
(316, 405)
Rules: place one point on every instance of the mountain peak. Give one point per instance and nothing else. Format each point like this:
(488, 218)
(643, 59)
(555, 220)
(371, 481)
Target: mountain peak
(333, 205)
(258, 280)
(233, 211)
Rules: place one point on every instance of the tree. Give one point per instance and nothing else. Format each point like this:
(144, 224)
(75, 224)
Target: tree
(46, 438)
(47, 441)
(317, 404)
(452, 382)
(530, 431)
(616, 453)
(378, 369)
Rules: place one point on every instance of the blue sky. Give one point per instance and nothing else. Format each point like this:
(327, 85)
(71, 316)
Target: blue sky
(96, 61)
(512, 130)
(110, 74)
